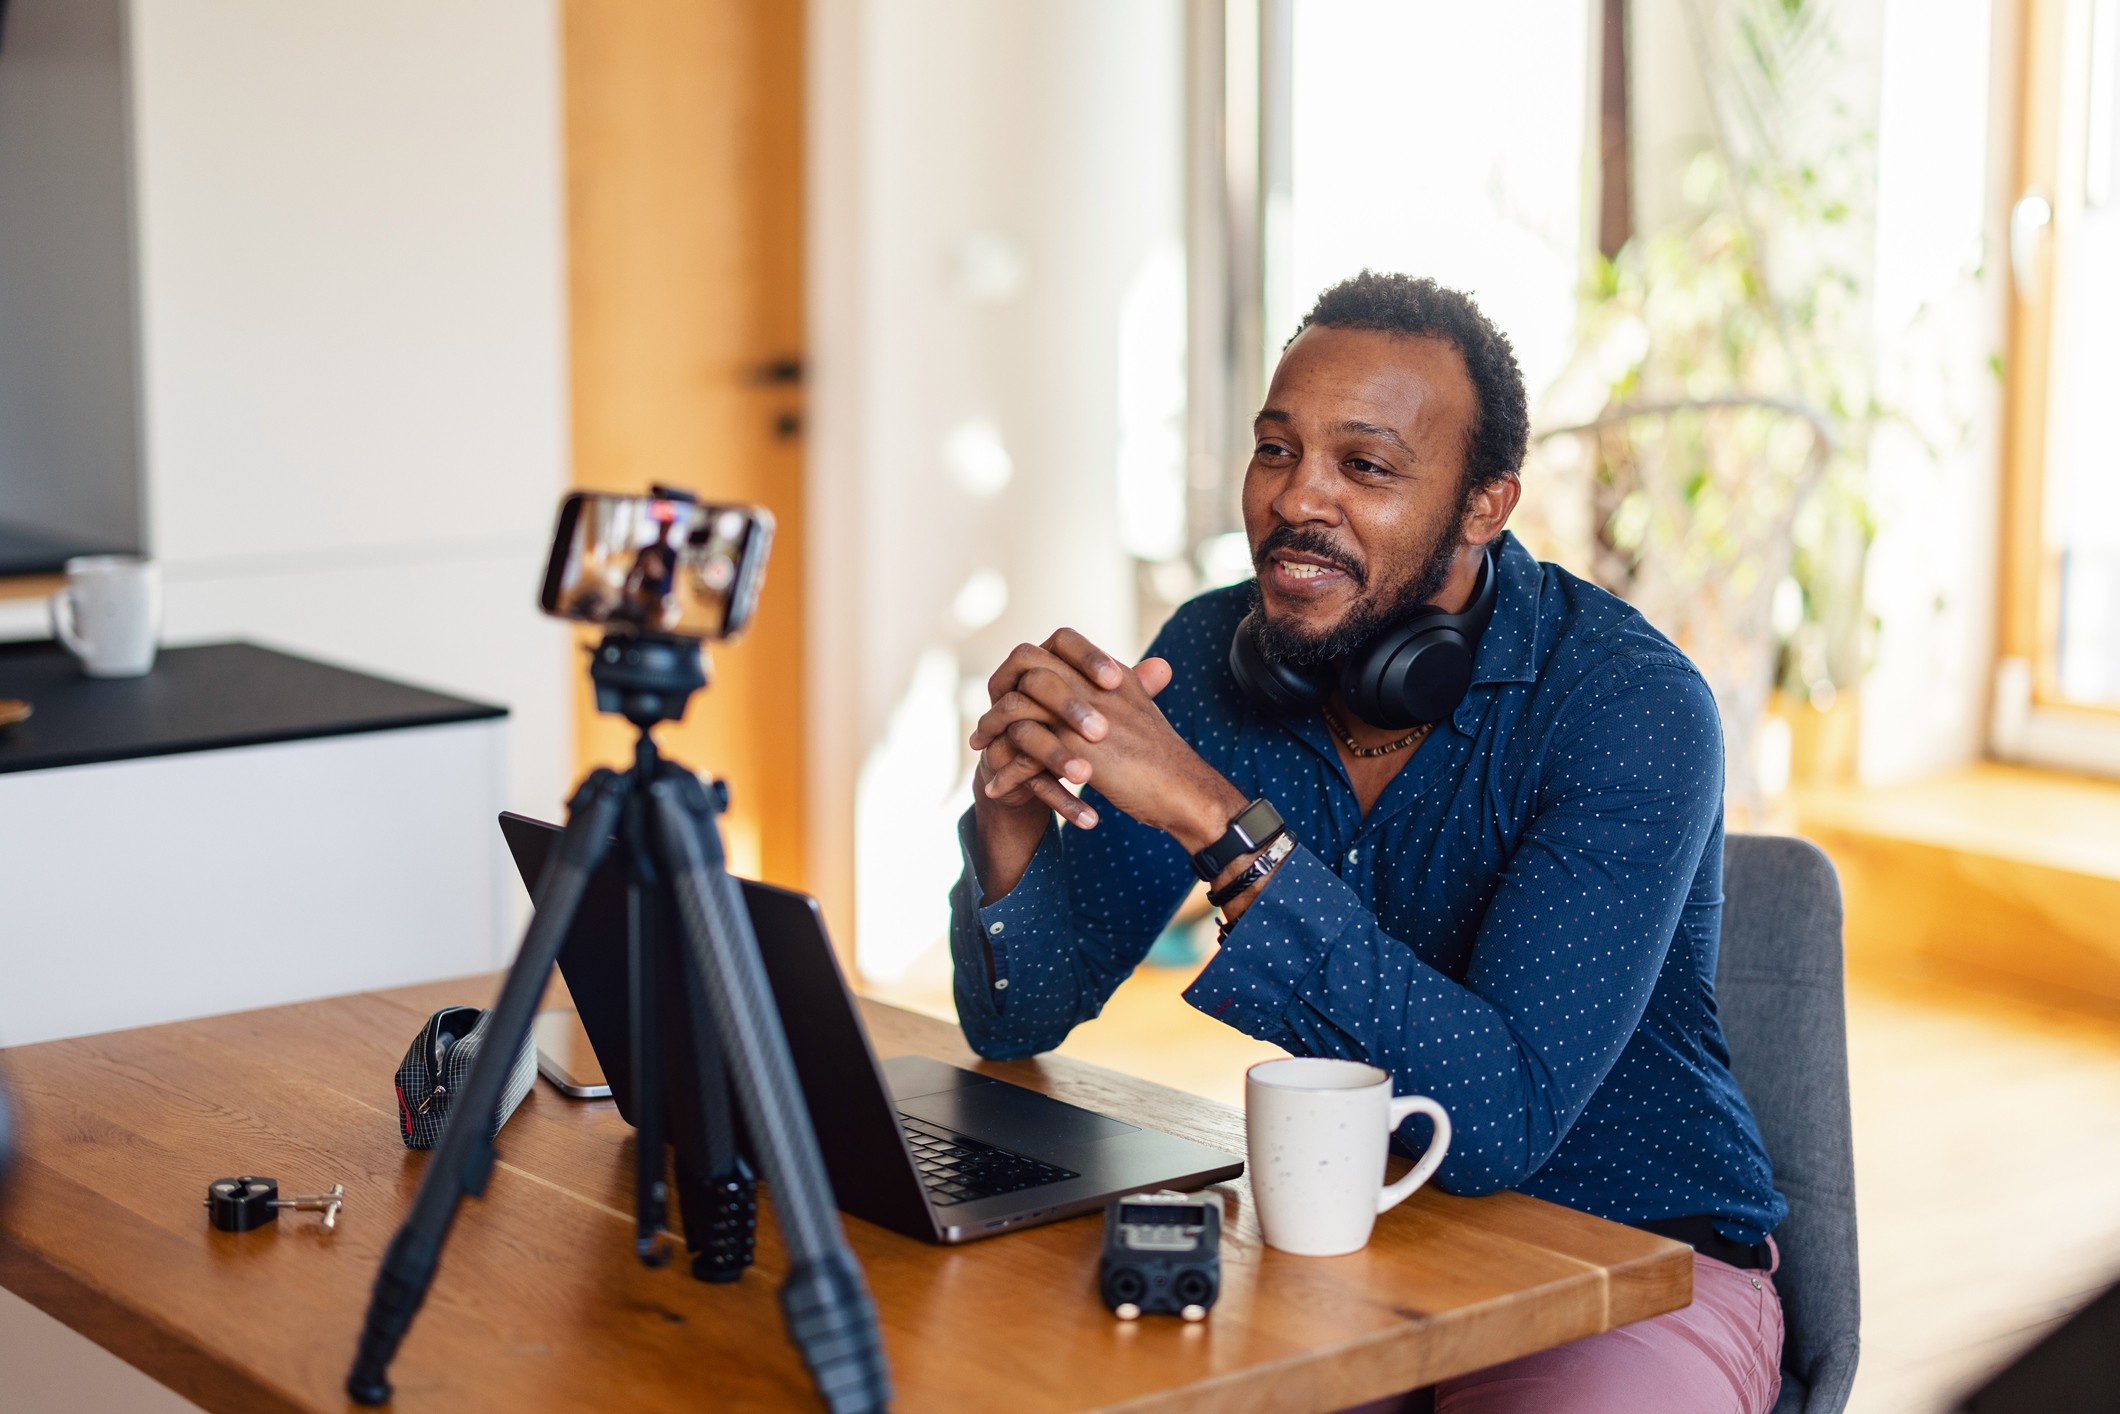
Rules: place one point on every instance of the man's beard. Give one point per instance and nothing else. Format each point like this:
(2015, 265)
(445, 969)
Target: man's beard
(1282, 641)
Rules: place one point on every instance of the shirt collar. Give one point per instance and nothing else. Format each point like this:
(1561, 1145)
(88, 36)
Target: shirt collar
(1505, 651)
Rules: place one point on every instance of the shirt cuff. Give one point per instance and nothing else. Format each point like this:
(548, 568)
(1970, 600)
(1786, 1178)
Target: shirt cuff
(1281, 939)
(981, 937)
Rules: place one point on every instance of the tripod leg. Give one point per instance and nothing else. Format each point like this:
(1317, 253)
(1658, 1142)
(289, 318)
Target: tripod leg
(464, 1157)
(644, 1002)
(721, 1199)
(721, 1217)
(830, 1315)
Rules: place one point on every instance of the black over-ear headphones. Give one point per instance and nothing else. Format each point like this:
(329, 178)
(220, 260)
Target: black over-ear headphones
(1415, 671)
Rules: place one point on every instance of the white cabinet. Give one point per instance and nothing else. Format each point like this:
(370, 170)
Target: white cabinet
(239, 829)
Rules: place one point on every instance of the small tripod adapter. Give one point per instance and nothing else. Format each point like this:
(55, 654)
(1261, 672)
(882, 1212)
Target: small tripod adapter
(241, 1204)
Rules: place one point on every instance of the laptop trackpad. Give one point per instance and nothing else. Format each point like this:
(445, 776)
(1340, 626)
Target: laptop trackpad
(1012, 1117)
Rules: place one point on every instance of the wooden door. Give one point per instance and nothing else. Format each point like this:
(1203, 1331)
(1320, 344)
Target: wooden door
(685, 231)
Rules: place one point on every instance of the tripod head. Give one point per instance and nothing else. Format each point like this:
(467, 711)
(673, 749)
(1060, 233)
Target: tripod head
(647, 677)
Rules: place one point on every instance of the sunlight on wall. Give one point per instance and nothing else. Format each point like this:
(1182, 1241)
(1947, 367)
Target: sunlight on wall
(913, 787)
(1004, 433)
(1152, 407)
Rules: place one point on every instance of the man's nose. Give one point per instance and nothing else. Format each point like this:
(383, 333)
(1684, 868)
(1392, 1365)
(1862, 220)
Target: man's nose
(1306, 497)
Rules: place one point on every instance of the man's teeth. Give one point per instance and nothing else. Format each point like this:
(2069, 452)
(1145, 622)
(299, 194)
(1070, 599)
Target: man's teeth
(1301, 571)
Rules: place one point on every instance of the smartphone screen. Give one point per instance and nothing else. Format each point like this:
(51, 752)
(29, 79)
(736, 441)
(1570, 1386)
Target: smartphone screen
(660, 564)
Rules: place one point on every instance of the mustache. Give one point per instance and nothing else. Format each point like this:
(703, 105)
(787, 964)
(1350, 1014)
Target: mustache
(1308, 541)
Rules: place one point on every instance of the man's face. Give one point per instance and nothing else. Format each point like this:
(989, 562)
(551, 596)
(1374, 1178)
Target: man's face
(1354, 501)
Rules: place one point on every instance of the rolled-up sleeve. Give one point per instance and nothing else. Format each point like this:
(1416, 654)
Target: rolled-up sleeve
(1566, 957)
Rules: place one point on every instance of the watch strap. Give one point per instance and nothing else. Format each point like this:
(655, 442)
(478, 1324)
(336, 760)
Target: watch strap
(1255, 826)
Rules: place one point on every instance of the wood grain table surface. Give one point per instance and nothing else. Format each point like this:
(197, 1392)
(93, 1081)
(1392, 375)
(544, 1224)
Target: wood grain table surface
(540, 1305)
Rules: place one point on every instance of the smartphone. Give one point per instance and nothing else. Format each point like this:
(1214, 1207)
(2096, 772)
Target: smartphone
(662, 563)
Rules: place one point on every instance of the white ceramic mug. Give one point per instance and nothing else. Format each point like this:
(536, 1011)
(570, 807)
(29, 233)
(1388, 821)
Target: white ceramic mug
(110, 614)
(1318, 1131)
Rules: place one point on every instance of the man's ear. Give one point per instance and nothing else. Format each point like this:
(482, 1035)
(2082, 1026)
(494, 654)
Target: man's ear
(1487, 512)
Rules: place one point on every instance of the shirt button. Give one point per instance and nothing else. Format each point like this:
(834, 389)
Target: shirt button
(1001, 984)
(1354, 856)
(994, 927)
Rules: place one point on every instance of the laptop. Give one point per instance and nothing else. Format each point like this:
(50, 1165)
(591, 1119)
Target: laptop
(913, 1144)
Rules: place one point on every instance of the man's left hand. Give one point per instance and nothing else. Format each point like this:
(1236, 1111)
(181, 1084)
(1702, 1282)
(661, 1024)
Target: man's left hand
(1059, 717)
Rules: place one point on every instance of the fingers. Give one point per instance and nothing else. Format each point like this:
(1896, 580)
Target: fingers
(1153, 674)
(1009, 708)
(1096, 667)
(1012, 669)
(1071, 809)
(1012, 788)
(1087, 658)
(1052, 695)
(1004, 772)
(1039, 749)
(1064, 696)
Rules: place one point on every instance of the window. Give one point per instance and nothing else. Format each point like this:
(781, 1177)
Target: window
(2058, 692)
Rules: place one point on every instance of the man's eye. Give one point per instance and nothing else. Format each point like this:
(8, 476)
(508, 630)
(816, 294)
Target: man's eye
(1273, 449)
(1366, 466)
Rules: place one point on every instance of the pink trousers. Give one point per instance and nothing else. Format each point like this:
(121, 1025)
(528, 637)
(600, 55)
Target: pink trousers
(1720, 1355)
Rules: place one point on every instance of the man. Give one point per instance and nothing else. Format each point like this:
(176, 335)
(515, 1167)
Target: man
(1514, 909)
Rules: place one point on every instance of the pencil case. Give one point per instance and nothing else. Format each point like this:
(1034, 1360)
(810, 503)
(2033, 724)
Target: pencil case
(435, 1068)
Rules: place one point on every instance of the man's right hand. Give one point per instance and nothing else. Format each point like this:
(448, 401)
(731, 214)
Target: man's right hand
(1011, 824)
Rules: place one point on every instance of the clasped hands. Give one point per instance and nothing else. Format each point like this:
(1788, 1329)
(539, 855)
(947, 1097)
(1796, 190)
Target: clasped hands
(1067, 711)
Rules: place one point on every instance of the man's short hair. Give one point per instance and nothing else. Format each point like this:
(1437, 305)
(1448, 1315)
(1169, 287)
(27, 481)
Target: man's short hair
(1420, 308)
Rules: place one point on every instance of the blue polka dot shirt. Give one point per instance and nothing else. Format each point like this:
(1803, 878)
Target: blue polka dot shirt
(1524, 925)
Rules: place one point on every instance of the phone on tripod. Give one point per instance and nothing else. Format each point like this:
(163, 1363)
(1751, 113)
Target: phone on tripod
(663, 563)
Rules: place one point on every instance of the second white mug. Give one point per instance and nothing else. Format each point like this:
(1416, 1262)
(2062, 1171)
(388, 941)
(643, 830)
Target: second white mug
(1318, 1131)
(109, 615)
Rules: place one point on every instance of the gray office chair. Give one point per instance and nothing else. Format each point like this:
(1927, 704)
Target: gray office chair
(1778, 985)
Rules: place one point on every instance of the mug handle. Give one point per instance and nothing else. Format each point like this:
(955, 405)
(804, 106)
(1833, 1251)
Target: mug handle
(1403, 1108)
(63, 623)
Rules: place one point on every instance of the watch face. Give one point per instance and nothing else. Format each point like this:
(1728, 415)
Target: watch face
(1258, 821)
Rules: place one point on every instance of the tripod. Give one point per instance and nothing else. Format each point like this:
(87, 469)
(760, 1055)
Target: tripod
(670, 845)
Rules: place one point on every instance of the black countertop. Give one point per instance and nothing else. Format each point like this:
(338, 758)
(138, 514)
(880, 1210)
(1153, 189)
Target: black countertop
(200, 699)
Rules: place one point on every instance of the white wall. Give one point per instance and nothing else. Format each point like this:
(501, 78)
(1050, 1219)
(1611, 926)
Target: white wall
(1494, 209)
(352, 286)
(994, 203)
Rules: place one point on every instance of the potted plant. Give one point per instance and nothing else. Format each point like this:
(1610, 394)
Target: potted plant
(1708, 440)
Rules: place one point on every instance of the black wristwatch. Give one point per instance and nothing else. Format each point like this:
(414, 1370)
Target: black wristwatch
(1255, 827)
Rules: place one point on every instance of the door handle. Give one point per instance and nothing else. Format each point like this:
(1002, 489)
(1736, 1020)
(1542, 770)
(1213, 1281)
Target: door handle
(2030, 219)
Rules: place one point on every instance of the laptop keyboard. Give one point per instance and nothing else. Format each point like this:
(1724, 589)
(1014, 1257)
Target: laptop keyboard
(957, 1170)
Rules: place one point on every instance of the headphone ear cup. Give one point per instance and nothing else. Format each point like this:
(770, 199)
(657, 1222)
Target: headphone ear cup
(1417, 673)
(1420, 671)
(1271, 686)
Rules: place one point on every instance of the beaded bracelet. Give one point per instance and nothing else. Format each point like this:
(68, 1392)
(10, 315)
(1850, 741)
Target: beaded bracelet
(1265, 863)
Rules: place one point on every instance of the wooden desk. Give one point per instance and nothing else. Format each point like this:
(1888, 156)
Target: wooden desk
(540, 1306)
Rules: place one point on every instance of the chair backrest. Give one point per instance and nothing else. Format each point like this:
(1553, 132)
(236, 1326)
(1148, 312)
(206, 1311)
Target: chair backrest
(1778, 985)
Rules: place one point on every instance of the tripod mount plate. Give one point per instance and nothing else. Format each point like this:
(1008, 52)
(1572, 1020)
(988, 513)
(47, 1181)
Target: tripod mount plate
(647, 677)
